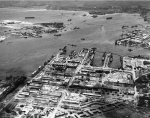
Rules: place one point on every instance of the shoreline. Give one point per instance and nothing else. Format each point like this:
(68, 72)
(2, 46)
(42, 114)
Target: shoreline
(17, 50)
(63, 10)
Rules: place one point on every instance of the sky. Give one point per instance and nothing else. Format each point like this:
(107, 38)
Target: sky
(74, 0)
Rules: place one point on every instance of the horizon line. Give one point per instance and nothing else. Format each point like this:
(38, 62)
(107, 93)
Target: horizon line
(81, 0)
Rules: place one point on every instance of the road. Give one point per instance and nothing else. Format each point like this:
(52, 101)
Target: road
(79, 68)
(64, 94)
(21, 89)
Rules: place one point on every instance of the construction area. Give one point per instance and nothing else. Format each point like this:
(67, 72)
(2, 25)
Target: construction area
(135, 36)
(69, 86)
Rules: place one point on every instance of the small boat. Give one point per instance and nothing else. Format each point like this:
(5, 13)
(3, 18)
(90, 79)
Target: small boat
(82, 39)
(57, 34)
(130, 50)
(94, 16)
(109, 18)
(29, 17)
(2, 38)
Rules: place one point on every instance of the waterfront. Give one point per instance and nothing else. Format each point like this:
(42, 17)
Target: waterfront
(67, 85)
(79, 72)
(25, 55)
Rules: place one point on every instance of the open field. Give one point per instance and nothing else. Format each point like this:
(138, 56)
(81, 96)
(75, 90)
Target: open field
(25, 55)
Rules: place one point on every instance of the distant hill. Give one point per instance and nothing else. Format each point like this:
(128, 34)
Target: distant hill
(63, 4)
